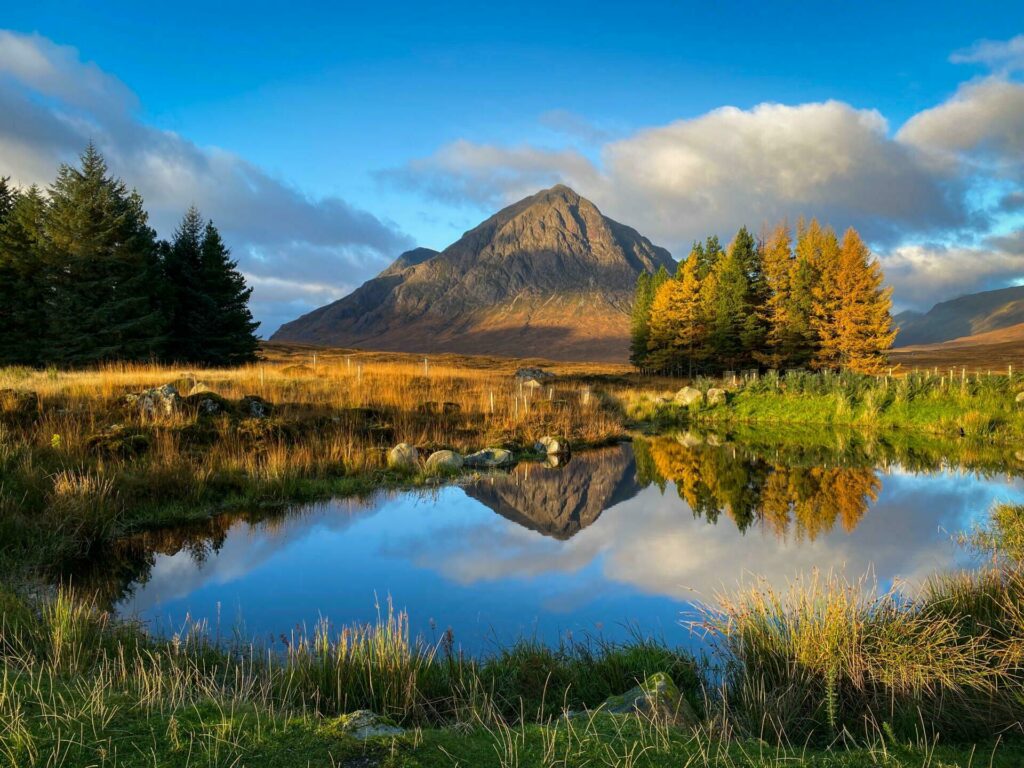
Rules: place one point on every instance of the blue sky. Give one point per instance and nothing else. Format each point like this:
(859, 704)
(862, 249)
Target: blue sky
(373, 127)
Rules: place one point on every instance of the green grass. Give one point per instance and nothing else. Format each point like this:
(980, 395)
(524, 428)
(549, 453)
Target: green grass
(972, 406)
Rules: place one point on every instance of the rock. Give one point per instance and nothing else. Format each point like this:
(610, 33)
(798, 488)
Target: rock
(658, 696)
(490, 458)
(551, 446)
(155, 403)
(1020, 398)
(404, 457)
(255, 407)
(554, 460)
(118, 440)
(688, 396)
(688, 440)
(207, 403)
(717, 396)
(444, 462)
(534, 374)
(364, 724)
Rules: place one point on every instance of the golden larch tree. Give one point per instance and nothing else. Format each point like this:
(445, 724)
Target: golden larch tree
(675, 325)
(861, 331)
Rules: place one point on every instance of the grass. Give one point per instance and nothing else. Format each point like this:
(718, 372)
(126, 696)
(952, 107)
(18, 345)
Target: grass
(950, 403)
(827, 673)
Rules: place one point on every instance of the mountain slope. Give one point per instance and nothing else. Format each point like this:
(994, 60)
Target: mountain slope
(963, 317)
(548, 276)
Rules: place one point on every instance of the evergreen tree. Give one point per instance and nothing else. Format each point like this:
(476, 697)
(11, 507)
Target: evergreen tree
(647, 287)
(188, 308)
(639, 320)
(105, 267)
(861, 330)
(229, 332)
(23, 278)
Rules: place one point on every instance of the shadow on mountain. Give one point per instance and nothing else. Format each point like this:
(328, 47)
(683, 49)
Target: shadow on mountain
(561, 501)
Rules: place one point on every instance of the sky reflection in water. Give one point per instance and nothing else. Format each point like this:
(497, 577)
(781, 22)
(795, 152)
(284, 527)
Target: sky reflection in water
(586, 548)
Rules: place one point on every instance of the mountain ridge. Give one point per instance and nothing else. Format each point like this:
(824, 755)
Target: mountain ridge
(961, 318)
(549, 274)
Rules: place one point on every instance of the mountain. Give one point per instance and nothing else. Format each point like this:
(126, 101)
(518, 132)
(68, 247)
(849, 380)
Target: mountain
(561, 501)
(963, 318)
(549, 276)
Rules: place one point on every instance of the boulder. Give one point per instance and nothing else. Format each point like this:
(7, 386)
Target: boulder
(444, 462)
(155, 403)
(688, 396)
(534, 374)
(404, 457)
(364, 724)
(657, 697)
(207, 403)
(551, 446)
(490, 458)
(717, 396)
(255, 407)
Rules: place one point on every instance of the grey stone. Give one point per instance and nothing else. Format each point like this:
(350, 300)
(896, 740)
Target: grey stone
(490, 458)
(550, 445)
(688, 396)
(155, 403)
(404, 457)
(364, 724)
(256, 407)
(658, 696)
(444, 461)
(717, 396)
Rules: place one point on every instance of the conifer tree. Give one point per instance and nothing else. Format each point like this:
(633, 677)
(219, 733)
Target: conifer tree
(229, 332)
(639, 329)
(647, 287)
(861, 330)
(676, 333)
(23, 278)
(776, 311)
(105, 268)
(188, 309)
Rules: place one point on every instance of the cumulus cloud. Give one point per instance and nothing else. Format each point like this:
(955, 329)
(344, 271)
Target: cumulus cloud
(925, 196)
(52, 104)
(981, 128)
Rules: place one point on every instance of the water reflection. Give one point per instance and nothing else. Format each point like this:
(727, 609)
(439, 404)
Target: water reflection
(628, 534)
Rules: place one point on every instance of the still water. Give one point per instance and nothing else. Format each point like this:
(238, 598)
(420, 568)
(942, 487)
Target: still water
(612, 542)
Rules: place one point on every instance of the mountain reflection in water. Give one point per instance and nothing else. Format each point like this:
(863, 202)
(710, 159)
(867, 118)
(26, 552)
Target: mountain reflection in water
(629, 534)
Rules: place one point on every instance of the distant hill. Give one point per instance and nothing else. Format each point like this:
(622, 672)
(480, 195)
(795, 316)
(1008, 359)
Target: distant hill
(965, 318)
(548, 276)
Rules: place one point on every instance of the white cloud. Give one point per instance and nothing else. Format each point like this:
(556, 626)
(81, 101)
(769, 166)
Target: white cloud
(52, 104)
(1004, 56)
(980, 128)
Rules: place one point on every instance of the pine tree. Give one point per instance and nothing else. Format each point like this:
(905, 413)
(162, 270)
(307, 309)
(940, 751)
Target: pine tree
(861, 331)
(103, 301)
(187, 307)
(647, 287)
(23, 278)
(639, 330)
(734, 329)
(229, 332)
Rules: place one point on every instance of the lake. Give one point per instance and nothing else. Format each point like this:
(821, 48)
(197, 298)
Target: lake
(612, 542)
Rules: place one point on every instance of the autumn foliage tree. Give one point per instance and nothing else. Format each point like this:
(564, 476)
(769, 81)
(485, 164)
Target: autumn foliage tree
(771, 302)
